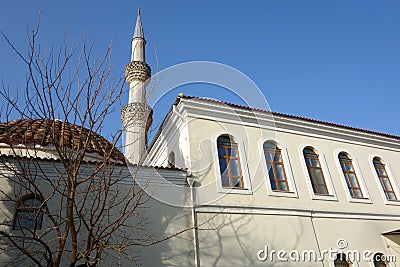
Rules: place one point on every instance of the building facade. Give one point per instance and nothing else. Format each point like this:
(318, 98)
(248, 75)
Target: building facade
(238, 186)
(270, 182)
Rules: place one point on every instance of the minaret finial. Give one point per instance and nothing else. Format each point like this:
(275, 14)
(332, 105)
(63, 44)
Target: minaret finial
(138, 11)
(138, 28)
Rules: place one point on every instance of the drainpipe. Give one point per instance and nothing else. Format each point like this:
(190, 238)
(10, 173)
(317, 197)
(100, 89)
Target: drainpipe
(315, 234)
(190, 180)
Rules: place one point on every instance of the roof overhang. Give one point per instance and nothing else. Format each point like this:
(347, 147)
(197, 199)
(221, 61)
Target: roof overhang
(393, 236)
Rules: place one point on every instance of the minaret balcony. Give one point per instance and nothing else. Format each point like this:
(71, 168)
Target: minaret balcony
(136, 114)
(137, 71)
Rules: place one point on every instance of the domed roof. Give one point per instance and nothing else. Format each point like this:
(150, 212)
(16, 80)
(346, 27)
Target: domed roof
(48, 132)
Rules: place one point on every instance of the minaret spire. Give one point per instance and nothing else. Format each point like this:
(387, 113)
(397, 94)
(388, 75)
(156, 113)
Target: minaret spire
(138, 41)
(136, 116)
(138, 28)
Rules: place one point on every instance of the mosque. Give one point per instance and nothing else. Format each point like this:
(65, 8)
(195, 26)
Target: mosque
(232, 185)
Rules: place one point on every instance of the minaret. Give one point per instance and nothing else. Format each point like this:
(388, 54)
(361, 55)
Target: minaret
(136, 116)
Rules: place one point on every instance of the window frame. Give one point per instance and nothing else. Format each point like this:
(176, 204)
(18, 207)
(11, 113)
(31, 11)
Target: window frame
(392, 179)
(328, 180)
(312, 172)
(246, 189)
(382, 177)
(228, 157)
(38, 217)
(360, 178)
(292, 191)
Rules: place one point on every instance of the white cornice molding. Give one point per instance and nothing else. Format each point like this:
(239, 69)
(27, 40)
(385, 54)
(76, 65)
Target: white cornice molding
(201, 109)
(173, 123)
(257, 210)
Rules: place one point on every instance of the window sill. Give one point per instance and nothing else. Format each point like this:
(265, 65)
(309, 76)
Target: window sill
(324, 197)
(234, 190)
(360, 200)
(392, 202)
(277, 193)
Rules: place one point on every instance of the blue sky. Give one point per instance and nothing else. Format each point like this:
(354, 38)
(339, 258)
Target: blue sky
(337, 61)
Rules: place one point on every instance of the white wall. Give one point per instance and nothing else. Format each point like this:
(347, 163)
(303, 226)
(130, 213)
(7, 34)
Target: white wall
(247, 220)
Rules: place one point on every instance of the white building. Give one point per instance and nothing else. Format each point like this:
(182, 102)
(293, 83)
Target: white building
(267, 182)
(305, 185)
(263, 188)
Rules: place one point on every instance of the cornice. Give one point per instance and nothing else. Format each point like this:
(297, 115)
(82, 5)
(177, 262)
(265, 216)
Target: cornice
(333, 214)
(222, 112)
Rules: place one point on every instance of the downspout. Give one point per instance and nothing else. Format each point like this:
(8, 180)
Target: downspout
(190, 180)
(315, 234)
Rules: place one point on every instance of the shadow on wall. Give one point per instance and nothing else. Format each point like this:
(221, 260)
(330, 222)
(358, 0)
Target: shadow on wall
(236, 239)
(225, 239)
(171, 227)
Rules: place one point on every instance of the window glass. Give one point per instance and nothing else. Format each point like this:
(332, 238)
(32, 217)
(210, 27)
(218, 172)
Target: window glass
(283, 186)
(28, 214)
(350, 176)
(225, 181)
(223, 166)
(384, 179)
(273, 184)
(276, 169)
(237, 182)
(221, 151)
(280, 172)
(234, 166)
(358, 193)
(229, 162)
(315, 172)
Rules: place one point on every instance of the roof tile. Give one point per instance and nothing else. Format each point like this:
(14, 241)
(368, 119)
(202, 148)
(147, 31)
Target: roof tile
(57, 133)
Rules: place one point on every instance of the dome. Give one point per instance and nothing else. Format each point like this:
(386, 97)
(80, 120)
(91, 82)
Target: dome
(48, 133)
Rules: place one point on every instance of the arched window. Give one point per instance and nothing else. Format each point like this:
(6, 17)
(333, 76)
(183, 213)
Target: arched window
(350, 176)
(276, 170)
(315, 171)
(341, 260)
(379, 260)
(229, 162)
(28, 214)
(384, 179)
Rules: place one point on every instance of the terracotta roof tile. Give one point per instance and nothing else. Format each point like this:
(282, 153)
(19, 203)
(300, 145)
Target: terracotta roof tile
(48, 132)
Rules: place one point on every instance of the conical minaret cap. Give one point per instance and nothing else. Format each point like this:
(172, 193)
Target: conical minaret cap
(138, 28)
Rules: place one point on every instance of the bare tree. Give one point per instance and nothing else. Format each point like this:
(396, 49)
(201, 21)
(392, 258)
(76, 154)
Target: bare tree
(67, 197)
